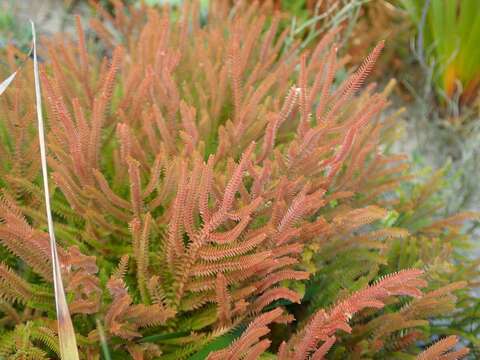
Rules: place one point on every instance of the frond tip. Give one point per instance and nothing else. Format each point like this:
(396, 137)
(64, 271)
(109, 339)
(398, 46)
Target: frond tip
(444, 350)
(325, 324)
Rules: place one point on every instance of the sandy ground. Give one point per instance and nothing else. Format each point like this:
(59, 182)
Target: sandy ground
(50, 16)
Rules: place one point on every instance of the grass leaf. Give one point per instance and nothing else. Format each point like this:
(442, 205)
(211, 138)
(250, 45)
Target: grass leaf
(66, 334)
(4, 85)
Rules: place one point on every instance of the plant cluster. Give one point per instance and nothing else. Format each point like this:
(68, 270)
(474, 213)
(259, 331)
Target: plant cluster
(220, 194)
(447, 37)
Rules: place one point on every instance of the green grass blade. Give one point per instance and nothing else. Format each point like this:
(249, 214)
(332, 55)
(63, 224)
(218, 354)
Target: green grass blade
(103, 341)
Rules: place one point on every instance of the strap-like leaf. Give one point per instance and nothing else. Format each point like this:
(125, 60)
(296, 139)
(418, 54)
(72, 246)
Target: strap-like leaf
(66, 334)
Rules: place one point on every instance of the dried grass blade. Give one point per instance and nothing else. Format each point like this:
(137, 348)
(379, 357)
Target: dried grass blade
(6, 82)
(66, 334)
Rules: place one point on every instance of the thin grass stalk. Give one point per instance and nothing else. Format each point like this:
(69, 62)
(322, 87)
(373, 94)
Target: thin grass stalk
(103, 341)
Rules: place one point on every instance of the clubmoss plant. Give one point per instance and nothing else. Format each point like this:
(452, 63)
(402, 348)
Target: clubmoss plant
(203, 179)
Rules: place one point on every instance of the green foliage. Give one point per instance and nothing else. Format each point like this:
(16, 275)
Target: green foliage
(450, 34)
(430, 241)
(12, 30)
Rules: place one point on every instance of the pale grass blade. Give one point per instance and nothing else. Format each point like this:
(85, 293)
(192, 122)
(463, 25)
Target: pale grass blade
(4, 85)
(66, 334)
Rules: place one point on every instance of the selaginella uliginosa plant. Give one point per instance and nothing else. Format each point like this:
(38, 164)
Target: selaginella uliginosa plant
(195, 170)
